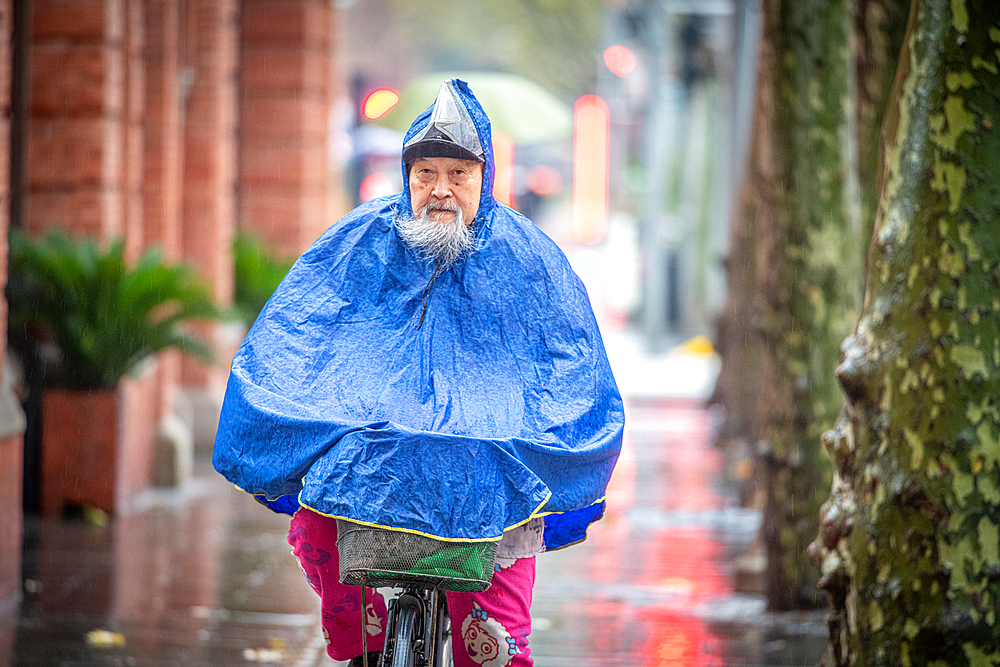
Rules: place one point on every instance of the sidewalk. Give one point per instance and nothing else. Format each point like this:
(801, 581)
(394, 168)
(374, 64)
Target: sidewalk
(653, 583)
(201, 576)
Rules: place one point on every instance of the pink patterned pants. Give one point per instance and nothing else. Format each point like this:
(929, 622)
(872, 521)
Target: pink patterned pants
(489, 629)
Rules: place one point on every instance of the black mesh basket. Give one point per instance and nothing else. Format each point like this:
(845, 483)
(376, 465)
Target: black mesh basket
(388, 557)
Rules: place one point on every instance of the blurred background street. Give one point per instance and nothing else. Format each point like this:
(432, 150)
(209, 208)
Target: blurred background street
(803, 324)
(225, 136)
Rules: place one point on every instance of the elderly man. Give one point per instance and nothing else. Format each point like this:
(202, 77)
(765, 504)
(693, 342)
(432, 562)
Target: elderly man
(430, 365)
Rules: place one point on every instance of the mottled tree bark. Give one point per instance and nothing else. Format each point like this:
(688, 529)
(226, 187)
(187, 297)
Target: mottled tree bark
(794, 285)
(910, 539)
(878, 35)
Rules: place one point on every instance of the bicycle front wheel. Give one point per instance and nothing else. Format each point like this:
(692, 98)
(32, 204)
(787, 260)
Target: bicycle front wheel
(402, 652)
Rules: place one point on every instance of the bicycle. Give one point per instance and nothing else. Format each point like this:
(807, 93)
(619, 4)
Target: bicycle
(418, 629)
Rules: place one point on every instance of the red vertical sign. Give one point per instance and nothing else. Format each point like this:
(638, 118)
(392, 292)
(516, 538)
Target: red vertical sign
(503, 176)
(590, 169)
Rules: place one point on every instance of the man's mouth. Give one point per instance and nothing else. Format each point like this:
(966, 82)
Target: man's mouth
(439, 212)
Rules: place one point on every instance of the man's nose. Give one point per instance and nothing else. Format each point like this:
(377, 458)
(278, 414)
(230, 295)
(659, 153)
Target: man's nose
(442, 188)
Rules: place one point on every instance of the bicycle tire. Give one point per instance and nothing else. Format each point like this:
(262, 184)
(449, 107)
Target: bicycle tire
(402, 651)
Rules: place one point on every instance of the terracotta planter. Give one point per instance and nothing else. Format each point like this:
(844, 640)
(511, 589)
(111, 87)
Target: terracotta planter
(97, 446)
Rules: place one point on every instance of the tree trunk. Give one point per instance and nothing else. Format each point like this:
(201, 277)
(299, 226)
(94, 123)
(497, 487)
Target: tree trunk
(878, 36)
(910, 538)
(794, 276)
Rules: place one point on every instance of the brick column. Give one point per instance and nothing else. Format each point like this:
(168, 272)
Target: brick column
(161, 185)
(208, 207)
(86, 169)
(161, 193)
(133, 109)
(11, 420)
(286, 97)
(76, 140)
(163, 146)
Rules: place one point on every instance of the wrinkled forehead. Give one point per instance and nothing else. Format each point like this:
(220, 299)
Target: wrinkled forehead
(447, 164)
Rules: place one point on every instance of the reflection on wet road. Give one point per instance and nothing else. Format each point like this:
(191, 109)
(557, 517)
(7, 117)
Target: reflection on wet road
(652, 586)
(202, 577)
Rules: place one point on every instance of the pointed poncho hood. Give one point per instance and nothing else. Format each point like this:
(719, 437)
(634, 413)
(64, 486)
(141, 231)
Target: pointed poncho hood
(499, 408)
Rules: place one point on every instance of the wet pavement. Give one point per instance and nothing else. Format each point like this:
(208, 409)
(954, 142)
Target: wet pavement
(653, 584)
(203, 575)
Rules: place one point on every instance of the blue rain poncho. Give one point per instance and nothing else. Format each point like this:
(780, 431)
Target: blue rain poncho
(500, 407)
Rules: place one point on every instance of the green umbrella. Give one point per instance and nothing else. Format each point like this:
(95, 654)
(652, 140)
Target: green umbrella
(518, 107)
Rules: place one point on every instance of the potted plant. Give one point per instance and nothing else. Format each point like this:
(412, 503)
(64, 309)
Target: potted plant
(256, 273)
(101, 319)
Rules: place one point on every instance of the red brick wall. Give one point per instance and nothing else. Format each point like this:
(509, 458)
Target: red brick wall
(76, 150)
(5, 111)
(286, 97)
(208, 209)
(85, 171)
(210, 140)
(11, 447)
(132, 120)
(162, 165)
(10, 518)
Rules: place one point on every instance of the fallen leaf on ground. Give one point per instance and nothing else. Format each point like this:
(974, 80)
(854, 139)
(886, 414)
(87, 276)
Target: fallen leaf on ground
(105, 638)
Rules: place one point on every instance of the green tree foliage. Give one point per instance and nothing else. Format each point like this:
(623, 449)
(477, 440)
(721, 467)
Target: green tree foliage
(257, 273)
(103, 316)
(910, 539)
(553, 42)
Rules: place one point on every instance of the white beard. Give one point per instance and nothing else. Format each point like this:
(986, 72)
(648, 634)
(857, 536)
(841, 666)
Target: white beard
(445, 242)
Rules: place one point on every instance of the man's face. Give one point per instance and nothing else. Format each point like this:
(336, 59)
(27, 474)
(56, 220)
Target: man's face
(445, 181)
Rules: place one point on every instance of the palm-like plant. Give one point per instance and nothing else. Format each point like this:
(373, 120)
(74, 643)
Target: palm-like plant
(103, 315)
(257, 274)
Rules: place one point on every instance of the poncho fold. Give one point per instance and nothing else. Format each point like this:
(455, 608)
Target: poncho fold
(499, 407)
